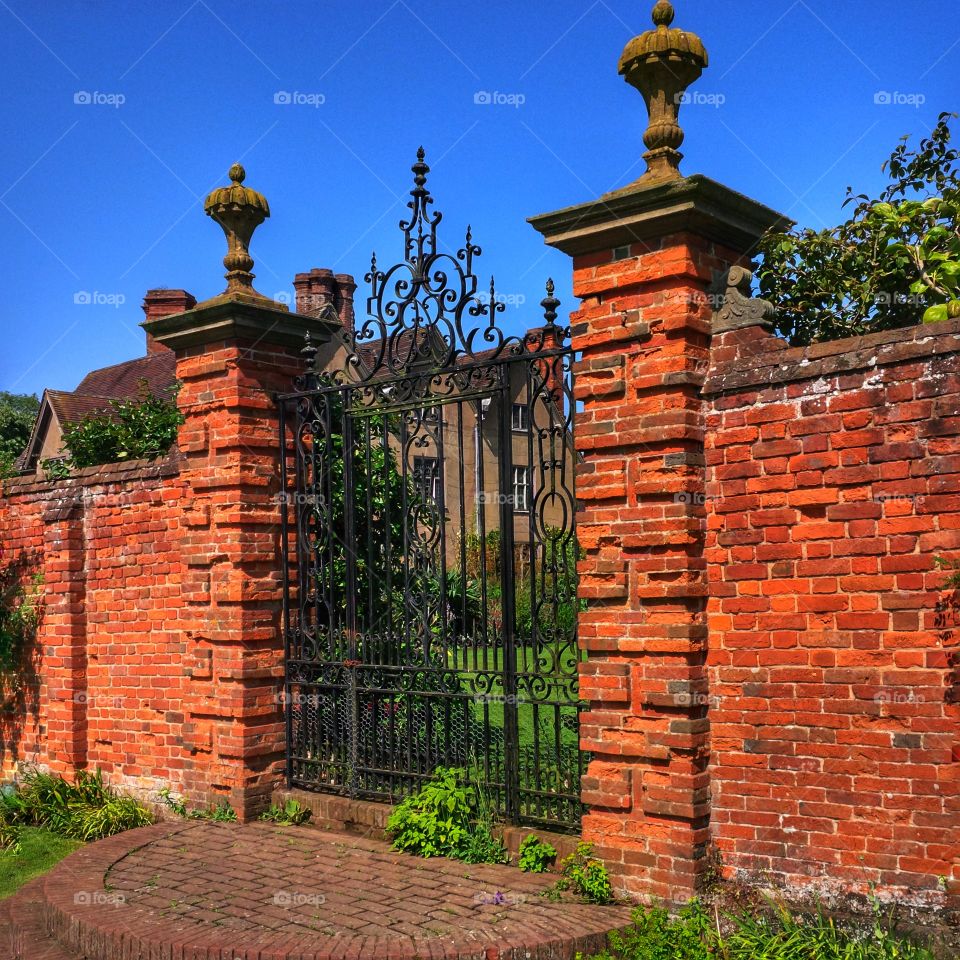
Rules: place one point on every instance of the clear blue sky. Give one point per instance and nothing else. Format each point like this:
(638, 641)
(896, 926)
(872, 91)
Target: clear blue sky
(101, 198)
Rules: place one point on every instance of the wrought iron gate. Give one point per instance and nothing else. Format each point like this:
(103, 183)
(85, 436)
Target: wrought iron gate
(430, 550)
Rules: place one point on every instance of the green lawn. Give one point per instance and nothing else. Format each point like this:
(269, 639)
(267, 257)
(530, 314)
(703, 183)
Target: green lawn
(469, 662)
(39, 851)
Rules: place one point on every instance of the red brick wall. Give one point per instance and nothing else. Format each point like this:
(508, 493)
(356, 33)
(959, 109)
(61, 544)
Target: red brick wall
(833, 482)
(110, 647)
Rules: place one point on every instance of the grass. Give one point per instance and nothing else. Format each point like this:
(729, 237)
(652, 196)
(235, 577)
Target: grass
(470, 662)
(39, 850)
(773, 932)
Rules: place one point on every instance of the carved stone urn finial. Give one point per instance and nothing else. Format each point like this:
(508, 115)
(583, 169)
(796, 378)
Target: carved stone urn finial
(662, 63)
(239, 211)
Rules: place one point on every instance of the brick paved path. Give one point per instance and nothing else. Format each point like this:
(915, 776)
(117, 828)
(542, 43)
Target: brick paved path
(261, 892)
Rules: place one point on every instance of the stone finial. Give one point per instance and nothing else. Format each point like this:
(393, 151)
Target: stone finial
(239, 211)
(662, 63)
(737, 308)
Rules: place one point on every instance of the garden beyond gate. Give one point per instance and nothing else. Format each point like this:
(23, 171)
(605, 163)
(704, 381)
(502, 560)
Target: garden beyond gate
(430, 544)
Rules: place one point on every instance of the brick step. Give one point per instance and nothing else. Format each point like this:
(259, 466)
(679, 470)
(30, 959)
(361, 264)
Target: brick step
(22, 929)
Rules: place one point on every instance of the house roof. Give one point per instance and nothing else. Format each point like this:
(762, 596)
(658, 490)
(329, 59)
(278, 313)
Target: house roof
(122, 380)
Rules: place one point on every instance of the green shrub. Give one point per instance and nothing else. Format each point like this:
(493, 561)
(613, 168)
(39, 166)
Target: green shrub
(585, 876)
(87, 809)
(292, 813)
(144, 428)
(447, 818)
(535, 854)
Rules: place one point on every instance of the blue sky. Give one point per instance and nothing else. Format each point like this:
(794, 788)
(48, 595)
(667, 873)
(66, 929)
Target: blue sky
(106, 197)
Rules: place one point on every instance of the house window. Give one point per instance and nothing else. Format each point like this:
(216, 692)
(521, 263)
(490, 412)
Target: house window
(521, 417)
(426, 477)
(521, 489)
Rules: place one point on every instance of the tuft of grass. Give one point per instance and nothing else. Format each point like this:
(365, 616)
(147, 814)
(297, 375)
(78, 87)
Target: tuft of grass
(38, 850)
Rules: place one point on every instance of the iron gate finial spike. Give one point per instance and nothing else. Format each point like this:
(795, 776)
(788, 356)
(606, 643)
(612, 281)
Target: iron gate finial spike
(550, 304)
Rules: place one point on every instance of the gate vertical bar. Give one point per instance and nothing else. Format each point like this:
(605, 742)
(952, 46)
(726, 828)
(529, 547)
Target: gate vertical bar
(285, 547)
(351, 590)
(511, 733)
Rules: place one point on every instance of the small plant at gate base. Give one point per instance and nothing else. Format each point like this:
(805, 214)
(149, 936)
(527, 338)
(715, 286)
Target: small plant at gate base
(292, 813)
(447, 818)
(535, 854)
(585, 876)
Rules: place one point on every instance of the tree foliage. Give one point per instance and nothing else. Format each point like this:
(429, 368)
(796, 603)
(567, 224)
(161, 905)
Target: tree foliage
(17, 414)
(894, 261)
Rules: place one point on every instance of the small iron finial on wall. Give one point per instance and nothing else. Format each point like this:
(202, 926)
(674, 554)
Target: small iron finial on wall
(662, 63)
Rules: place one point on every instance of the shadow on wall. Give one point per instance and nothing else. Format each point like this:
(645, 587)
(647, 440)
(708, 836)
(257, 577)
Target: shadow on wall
(21, 596)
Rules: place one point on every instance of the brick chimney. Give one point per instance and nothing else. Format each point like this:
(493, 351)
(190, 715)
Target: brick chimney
(163, 303)
(320, 287)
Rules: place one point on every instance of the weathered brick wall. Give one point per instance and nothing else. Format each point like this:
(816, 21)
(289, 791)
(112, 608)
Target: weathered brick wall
(833, 481)
(106, 687)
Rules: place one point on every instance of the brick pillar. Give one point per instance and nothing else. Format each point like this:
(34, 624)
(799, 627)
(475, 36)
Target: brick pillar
(646, 262)
(62, 635)
(233, 354)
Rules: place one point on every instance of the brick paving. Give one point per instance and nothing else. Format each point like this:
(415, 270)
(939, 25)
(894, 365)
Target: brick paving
(212, 891)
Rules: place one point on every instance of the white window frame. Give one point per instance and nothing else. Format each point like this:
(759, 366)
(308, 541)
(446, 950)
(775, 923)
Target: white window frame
(520, 423)
(521, 489)
(420, 466)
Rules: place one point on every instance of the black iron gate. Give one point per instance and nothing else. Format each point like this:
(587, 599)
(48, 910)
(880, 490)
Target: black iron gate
(430, 562)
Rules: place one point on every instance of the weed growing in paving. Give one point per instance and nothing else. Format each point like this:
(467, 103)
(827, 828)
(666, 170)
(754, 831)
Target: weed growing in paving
(585, 876)
(292, 813)
(222, 813)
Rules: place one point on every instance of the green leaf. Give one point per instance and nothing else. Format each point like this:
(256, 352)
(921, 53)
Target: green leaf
(936, 314)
